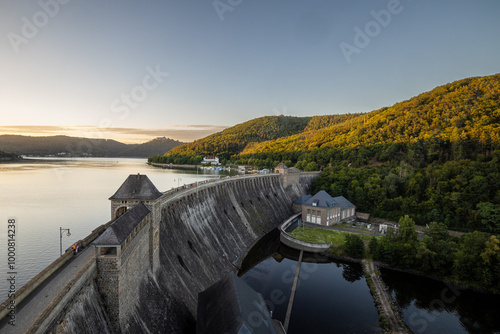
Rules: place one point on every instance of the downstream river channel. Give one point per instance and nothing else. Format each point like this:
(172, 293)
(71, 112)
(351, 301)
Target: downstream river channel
(332, 297)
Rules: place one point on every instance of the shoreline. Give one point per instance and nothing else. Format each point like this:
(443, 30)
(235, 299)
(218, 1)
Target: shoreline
(458, 285)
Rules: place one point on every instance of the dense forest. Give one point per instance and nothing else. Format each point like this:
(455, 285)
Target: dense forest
(462, 194)
(232, 141)
(72, 146)
(472, 260)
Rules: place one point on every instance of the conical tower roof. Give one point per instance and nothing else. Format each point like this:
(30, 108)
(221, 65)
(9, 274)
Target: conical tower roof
(138, 187)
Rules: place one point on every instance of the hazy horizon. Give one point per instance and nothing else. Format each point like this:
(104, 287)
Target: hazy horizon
(187, 133)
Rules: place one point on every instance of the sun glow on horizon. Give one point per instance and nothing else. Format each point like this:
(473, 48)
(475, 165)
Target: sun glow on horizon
(183, 133)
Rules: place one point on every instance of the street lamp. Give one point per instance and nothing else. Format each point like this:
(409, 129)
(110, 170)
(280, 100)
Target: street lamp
(61, 230)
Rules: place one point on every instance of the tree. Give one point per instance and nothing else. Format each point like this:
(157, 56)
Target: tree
(311, 166)
(407, 233)
(354, 246)
(468, 265)
(437, 231)
(491, 257)
(490, 215)
(374, 247)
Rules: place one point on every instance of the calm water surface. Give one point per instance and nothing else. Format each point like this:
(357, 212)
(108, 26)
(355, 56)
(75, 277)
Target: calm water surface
(433, 307)
(330, 298)
(69, 193)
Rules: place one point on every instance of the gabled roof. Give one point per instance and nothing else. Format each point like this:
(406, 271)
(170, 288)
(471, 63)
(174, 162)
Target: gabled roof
(321, 200)
(226, 307)
(121, 228)
(302, 199)
(137, 187)
(343, 202)
(281, 165)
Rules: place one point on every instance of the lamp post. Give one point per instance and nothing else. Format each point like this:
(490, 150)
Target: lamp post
(61, 230)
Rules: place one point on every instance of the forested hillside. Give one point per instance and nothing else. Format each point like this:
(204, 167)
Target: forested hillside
(72, 146)
(234, 140)
(457, 120)
(153, 147)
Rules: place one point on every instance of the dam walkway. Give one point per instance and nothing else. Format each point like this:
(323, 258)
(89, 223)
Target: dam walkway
(32, 311)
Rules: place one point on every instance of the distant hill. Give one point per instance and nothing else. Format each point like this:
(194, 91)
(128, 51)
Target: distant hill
(72, 146)
(156, 146)
(234, 140)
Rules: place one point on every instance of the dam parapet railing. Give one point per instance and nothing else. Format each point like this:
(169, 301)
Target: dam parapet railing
(207, 183)
(298, 244)
(42, 276)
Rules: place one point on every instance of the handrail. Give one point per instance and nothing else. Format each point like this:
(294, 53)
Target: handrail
(36, 281)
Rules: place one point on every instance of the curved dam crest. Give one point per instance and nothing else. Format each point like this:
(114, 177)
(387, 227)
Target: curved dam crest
(204, 235)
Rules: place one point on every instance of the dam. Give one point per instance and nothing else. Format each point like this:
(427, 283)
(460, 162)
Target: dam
(142, 271)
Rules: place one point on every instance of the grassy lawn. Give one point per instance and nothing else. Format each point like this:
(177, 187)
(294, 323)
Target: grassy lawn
(318, 235)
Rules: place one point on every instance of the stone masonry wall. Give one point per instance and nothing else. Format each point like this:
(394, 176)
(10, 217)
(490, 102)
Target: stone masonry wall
(202, 238)
(134, 266)
(108, 283)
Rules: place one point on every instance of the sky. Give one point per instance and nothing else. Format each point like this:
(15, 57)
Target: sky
(183, 69)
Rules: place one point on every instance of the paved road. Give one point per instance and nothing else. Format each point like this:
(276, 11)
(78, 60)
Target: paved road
(30, 309)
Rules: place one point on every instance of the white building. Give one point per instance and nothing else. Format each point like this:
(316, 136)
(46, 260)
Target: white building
(211, 160)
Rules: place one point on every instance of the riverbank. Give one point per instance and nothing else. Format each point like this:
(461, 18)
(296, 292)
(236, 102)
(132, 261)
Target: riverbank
(8, 159)
(173, 166)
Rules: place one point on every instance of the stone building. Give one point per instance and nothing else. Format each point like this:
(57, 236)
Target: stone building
(297, 204)
(290, 176)
(129, 247)
(123, 255)
(136, 188)
(281, 168)
(323, 209)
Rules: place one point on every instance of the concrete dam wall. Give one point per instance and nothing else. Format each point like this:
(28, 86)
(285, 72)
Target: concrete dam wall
(204, 235)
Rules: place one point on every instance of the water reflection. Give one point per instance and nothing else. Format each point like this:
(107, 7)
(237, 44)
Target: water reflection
(431, 306)
(331, 297)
